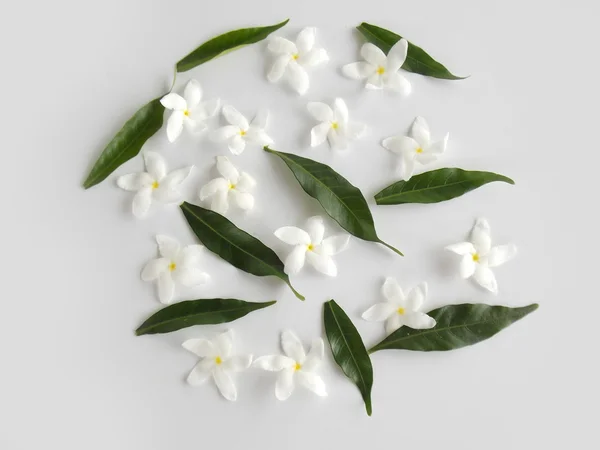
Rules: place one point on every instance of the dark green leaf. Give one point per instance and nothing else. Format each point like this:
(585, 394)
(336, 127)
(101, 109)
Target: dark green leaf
(197, 312)
(127, 142)
(417, 59)
(348, 349)
(225, 43)
(341, 200)
(457, 326)
(235, 246)
(436, 186)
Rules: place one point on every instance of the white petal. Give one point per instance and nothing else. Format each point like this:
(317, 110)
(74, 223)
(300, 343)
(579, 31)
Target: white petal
(274, 363)
(297, 77)
(319, 134)
(155, 165)
(480, 236)
(134, 181)
(355, 130)
(306, 39)
(379, 312)
(416, 297)
(212, 187)
(407, 168)
(175, 125)
(166, 287)
(485, 278)
(224, 133)
(154, 268)
(320, 111)
(392, 291)
(245, 182)
(190, 255)
(141, 202)
(293, 235)
(205, 110)
(373, 54)
(359, 70)
(323, 263)
(312, 382)
(393, 323)
(401, 145)
(201, 372)
(375, 82)
(420, 132)
(439, 147)
(314, 356)
(337, 139)
(244, 200)
(462, 248)
(281, 45)
(224, 343)
(168, 247)
(176, 177)
(192, 94)
(285, 384)
(234, 117)
(258, 136)
(426, 157)
(397, 55)
(418, 321)
(166, 194)
(224, 383)
(237, 145)
(316, 229)
(228, 170)
(295, 260)
(220, 203)
(261, 119)
(174, 101)
(292, 346)
(278, 68)
(237, 363)
(200, 347)
(467, 266)
(313, 58)
(335, 244)
(397, 83)
(340, 111)
(500, 254)
(190, 276)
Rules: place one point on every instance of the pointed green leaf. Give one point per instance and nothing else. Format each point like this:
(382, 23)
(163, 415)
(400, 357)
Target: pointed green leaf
(225, 43)
(417, 59)
(340, 199)
(348, 349)
(436, 186)
(457, 326)
(197, 312)
(235, 246)
(127, 142)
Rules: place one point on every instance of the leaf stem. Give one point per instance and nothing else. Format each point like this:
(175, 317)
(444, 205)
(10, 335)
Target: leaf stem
(296, 293)
(395, 250)
(174, 79)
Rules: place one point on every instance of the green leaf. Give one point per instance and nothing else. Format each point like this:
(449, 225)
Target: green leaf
(457, 326)
(417, 59)
(225, 43)
(235, 246)
(197, 312)
(127, 142)
(340, 199)
(348, 349)
(436, 186)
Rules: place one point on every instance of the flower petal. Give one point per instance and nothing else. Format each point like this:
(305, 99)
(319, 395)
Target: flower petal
(175, 125)
(293, 235)
(439, 147)
(340, 111)
(134, 181)
(166, 194)
(237, 363)
(166, 287)
(306, 39)
(418, 321)
(201, 372)
(173, 101)
(379, 312)
(243, 200)
(224, 343)
(407, 168)
(234, 117)
(285, 384)
(192, 94)
(485, 278)
(426, 157)
(315, 355)
(154, 268)
(205, 110)
(224, 383)
(212, 187)
(397, 83)
(375, 81)
(295, 260)
(316, 229)
(323, 263)
(312, 382)
(480, 236)
(467, 266)
(359, 70)
(393, 323)
(462, 248)
(319, 134)
(278, 44)
(401, 145)
(200, 347)
(416, 297)
(297, 77)
(278, 68)
(237, 145)
(190, 255)
(392, 291)
(335, 244)
(261, 119)
(313, 58)
(373, 54)
(155, 165)
(141, 202)
(245, 182)
(190, 276)
(420, 132)
(320, 111)
(337, 139)
(258, 136)
(500, 254)
(274, 363)
(168, 247)
(176, 177)
(355, 130)
(220, 203)
(397, 55)
(292, 346)
(228, 170)
(224, 133)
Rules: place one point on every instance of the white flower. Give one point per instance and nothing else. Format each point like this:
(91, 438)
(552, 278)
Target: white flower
(335, 126)
(293, 58)
(218, 362)
(311, 245)
(240, 131)
(478, 256)
(417, 148)
(174, 265)
(154, 184)
(297, 364)
(232, 185)
(379, 70)
(188, 110)
(399, 309)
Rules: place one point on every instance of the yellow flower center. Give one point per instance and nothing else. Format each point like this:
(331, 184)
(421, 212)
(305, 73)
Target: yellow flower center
(334, 125)
(218, 360)
(419, 150)
(298, 366)
(186, 112)
(155, 185)
(172, 266)
(400, 311)
(310, 247)
(476, 257)
(231, 186)
(242, 133)
(295, 56)
(381, 70)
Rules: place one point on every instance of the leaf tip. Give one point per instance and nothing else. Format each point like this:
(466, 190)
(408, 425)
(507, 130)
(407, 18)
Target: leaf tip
(369, 408)
(394, 249)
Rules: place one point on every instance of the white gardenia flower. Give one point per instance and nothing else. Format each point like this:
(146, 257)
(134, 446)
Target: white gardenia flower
(154, 184)
(310, 245)
(478, 256)
(417, 148)
(379, 70)
(335, 125)
(241, 131)
(232, 185)
(399, 309)
(295, 365)
(175, 265)
(218, 362)
(293, 58)
(188, 110)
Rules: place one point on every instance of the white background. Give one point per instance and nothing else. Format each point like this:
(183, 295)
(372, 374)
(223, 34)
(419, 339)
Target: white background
(74, 376)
